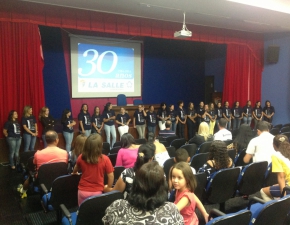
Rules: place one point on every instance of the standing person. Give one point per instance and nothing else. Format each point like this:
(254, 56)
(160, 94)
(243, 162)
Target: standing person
(238, 115)
(30, 131)
(162, 116)
(97, 121)
(186, 201)
(123, 119)
(151, 120)
(67, 130)
(94, 165)
(206, 115)
(257, 114)
(139, 121)
(212, 116)
(172, 114)
(84, 118)
(227, 114)
(268, 112)
(219, 114)
(77, 149)
(47, 122)
(247, 113)
(11, 131)
(200, 113)
(109, 118)
(181, 118)
(191, 123)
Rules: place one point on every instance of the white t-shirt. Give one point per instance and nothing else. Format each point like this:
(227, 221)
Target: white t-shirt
(261, 147)
(223, 135)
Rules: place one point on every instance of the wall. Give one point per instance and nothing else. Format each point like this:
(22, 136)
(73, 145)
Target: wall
(276, 79)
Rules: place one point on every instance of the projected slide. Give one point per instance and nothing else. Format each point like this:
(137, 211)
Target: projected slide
(105, 68)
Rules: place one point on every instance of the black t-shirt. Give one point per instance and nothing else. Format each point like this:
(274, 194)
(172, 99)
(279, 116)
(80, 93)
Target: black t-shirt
(219, 112)
(30, 123)
(139, 117)
(47, 123)
(237, 112)
(13, 129)
(107, 115)
(162, 113)
(200, 111)
(269, 110)
(181, 113)
(258, 112)
(206, 119)
(66, 122)
(151, 119)
(247, 110)
(227, 112)
(172, 115)
(86, 119)
(122, 118)
(97, 120)
(212, 113)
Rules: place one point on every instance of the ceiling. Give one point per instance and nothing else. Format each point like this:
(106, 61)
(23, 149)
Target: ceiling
(213, 13)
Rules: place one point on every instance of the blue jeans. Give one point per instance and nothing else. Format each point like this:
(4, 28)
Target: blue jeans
(14, 146)
(247, 120)
(151, 129)
(87, 133)
(29, 142)
(229, 124)
(110, 130)
(44, 141)
(68, 137)
(173, 126)
(237, 123)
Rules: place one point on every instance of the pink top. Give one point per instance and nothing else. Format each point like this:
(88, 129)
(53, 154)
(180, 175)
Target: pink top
(126, 157)
(188, 212)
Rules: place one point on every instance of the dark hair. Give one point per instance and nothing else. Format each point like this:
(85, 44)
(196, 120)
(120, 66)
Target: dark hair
(267, 102)
(248, 102)
(243, 137)
(219, 153)
(10, 115)
(151, 137)
(63, 116)
(149, 189)
(127, 140)
(51, 136)
(187, 173)
(95, 110)
(162, 104)
(93, 149)
(235, 103)
(263, 126)
(181, 155)
(179, 102)
(226, 102)
(190, 104)
(279, 139)
(83, 106)
(222, 122)
(257, 104)
(282, 145)
(145, 153)
(106, 108)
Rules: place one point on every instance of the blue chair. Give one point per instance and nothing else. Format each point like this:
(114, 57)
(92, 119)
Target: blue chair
(239, 218)
(137, 102)
(121, 100)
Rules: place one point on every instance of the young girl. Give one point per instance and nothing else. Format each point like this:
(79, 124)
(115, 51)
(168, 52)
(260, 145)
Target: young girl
(77, 149)
(67, 128)
(186, 201)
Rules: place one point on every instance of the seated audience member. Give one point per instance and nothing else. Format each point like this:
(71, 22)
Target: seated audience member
(167, 131)
(161, 153)
(123, 120)
(281, 166)
(125, 181)
(147, 201)
(93, 165)
(202, 136)
(260, 148)
(50, 154)
(78, 146)
(181, 155)
(223, 134)
(244, 136)
(128, 153)
(218, 159)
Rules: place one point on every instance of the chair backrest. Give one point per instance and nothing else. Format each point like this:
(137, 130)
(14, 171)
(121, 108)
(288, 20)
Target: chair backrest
(286, 125)
(239, 218)
(169, 139)
(239, 160)
(232, 154)
(222, 185)
(204, 147)
(48, 172)
(24, 156)
(106, 148)
(279, 126)
(140, 141)
(190, 148)
(65, 191)
(164, 143)
(201, 180)
(167, 165)
(198, 160)
(270, 177)
(275, 131)
(117, 143)
(113, 158)
(115, 150)
(177, 143)
(228, 142)
(137, 102)
(285, 129)
(272, 212)
(92, 210)
(171, 151)
(117, 173)
(121, 100)
(252, 177)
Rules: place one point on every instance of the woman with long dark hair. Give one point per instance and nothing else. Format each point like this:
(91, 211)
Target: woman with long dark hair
(97, 121)
(237, 115)
(151, 119)
(109, 120)
(162, 116)
(257, 113)
(191, 120)
(67, 128)
(123, 119)
(247, 113)
(139, 121)
(268, 111)
(181, 117)
(47, 122)
(30, 130)
(227, 114)
(84, 118)
(173, 117)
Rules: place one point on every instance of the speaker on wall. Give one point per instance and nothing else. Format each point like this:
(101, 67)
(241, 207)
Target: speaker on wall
(273, 54)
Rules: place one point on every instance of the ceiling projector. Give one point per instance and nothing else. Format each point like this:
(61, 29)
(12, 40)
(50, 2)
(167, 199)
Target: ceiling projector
(184, 33)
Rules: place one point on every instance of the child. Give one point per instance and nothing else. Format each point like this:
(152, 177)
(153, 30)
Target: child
(186, 201)
(78, 146)
(181, 155)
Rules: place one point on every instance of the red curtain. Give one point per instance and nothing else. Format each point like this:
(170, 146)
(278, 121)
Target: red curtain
(21, 64)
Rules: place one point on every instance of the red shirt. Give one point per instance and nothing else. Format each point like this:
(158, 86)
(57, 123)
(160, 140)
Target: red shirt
(92, 179)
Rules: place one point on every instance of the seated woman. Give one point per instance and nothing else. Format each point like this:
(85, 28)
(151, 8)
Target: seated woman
(128, 153)
(245, 134)
(161, 153)
(125, 181)
(202, 136)
(147, 201)
(218, 159)
(281, 166)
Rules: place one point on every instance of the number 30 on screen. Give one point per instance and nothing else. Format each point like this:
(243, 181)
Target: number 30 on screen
(96, 62)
